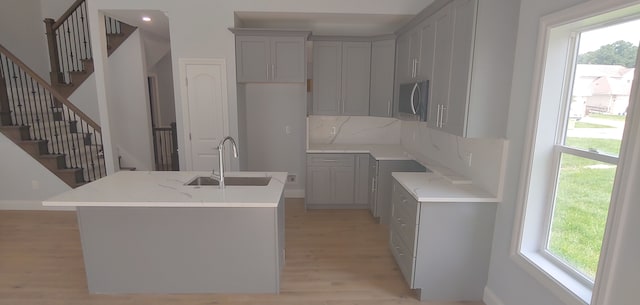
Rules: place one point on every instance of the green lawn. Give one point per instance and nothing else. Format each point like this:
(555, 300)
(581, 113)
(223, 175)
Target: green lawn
(582, 202)
(607, 146)
(611, 117)
(579, 124)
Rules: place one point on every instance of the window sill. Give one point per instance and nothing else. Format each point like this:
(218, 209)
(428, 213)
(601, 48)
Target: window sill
(563, 284)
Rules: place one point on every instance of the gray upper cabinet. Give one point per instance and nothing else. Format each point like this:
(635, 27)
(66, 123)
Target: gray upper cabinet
(341, 77)
(382, 67)
(270, 59)
(440, 82)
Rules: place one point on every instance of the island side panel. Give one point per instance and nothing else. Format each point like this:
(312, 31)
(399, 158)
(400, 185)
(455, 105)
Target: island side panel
(180, 250)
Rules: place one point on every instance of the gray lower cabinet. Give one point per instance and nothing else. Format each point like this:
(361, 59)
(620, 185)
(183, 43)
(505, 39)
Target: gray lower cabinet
(442, 248)
(337, 181)
(381, 182)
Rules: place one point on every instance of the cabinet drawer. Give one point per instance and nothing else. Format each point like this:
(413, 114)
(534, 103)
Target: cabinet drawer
(331, 160)
(404, 206)
(406, 231)
(403, 257)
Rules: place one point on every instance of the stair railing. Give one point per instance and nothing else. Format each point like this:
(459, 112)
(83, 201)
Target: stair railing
(165, 148)
(32, 102)
(69, 42)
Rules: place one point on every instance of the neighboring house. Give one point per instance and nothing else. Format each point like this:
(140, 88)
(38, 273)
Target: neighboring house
(602, 88)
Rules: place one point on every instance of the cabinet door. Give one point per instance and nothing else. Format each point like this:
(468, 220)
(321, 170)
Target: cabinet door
(382, 66)
(287, 59)
(385, 168)
(252, 58)
(362, 179)
(342, 180)
(327, 77)
(428, 34)
(441, 68)
(356, 75)
(403, 61)
(318, 189)
(463, 14)
(373, 176)
(415, 53)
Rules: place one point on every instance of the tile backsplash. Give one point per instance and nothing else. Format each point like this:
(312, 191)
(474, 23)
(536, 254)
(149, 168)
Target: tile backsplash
(353, 130)
(481, 160)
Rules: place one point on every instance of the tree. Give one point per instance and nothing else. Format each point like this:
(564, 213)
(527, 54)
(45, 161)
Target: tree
(618, 53)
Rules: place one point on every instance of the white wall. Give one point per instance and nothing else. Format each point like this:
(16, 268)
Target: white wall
(25, 182)
(84, 97)
(270, 108)
(54, 8)
(22, 32)
(129, 104)
(507, 281)
(164, 71)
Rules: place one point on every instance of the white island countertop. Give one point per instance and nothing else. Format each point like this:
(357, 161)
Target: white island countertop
(168, 189)
(432, 187)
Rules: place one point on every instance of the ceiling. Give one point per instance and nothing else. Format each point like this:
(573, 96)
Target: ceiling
(325, 23)
(159, 24)
(330, 24)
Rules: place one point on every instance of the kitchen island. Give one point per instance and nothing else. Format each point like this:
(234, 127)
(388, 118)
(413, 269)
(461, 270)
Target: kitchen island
(148, 232)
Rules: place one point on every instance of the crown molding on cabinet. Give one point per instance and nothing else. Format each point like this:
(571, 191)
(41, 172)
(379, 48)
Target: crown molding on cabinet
(424, 14)
(270, 32)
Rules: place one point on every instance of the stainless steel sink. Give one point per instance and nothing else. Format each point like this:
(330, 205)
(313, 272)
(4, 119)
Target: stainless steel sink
(230, 181)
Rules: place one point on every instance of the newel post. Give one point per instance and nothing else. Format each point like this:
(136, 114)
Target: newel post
(56, 75)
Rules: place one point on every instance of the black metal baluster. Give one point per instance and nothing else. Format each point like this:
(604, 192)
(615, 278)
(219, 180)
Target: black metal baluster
(82, 145)
(57, 120)
(47, 118)
(8, 81)
(102, 168)
(37, 123)
(91, 171)
(66, 48)
(66, 136)
(85, 30)
(61, 57)
(24, 99)
(76, 41)
(15, 98)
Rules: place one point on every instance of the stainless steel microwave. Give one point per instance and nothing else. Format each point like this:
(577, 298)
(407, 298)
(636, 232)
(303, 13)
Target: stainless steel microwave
(413, 99)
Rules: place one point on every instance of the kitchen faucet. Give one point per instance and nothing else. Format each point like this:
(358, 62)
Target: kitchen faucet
(221, 158)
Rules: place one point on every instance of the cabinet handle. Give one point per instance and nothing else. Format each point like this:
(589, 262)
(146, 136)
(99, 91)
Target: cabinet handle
(389, 108)
(268, 71)
(273, 72)
(438, 115)
(373, 185)
(329, 160)
(444, 108)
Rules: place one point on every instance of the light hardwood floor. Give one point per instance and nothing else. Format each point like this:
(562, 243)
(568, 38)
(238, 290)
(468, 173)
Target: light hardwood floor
(333, 257)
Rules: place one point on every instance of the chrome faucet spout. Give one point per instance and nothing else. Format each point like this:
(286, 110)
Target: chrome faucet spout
(221, 156)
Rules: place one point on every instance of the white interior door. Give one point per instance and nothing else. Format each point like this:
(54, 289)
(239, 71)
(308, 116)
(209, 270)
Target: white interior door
(205, 112)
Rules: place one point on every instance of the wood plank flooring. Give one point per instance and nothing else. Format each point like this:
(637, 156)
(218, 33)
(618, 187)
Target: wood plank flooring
(333, 257)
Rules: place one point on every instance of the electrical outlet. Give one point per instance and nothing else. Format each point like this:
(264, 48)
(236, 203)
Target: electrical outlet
(466, 157)
(292, 178)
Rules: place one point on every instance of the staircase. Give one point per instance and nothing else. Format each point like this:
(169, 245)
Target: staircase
(38, 116)
(69, 46)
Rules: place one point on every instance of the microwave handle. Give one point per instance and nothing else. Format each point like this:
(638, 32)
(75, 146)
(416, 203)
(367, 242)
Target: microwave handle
(413, 93)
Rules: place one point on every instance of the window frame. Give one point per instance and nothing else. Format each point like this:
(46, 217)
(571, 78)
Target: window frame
(557, 44)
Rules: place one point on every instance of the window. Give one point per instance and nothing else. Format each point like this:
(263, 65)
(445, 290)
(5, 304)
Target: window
(584, 93)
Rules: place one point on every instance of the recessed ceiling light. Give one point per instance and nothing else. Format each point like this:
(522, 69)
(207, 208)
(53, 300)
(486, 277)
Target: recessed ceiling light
(145, 18)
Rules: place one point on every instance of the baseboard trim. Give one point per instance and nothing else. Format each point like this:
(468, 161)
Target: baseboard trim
(294, 193)
(491, 298)
(29, 205)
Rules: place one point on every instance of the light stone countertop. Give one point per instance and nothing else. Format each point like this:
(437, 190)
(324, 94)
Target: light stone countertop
(167, 189)
(377, 151)
(432, 187)
(385, 152)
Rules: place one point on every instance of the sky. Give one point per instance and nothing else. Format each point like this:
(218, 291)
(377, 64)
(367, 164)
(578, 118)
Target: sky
(593, 40)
